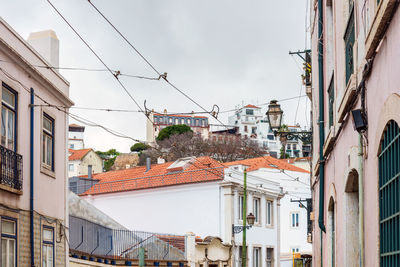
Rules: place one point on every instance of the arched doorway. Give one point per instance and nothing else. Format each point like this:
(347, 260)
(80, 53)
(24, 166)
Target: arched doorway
(332, 232)
(351, 219)
(389, 195)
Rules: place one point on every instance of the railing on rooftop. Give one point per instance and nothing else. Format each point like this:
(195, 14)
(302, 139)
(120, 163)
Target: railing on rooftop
(11, 168)
(171, 178)
(89, 238)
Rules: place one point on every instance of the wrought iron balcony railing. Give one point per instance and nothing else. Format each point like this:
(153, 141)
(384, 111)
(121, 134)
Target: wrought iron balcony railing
(11, 168)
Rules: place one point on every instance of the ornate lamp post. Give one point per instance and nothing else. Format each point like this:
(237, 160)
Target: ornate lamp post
(250, 219)
(274, 115)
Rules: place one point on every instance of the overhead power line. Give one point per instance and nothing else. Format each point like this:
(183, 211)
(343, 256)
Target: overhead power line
(99, 58)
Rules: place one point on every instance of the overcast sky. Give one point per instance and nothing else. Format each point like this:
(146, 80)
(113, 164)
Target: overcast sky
(220, 52)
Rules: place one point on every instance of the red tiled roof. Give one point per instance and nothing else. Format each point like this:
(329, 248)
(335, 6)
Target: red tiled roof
(176, 115)
(251, 106)
(202, 169)
(265, 162)
(177, 241)
(78, 154)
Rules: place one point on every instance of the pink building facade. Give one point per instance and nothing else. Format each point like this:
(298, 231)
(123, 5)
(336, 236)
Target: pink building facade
(33, 156)
(355, 174)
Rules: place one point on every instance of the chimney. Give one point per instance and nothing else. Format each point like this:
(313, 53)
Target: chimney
(47, 44)
(148, 164)
(89, 171)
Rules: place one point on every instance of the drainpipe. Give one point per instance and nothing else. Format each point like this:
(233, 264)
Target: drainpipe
(31, 161)
(361, 199)
(321, 125)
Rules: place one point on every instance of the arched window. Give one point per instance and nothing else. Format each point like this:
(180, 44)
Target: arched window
(389, 193)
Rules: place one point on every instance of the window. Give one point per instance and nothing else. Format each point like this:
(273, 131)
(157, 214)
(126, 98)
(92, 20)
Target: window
(245, 128)
(176, 121)
(48, 247)
(70, 167)
(269, 213)
(71, 146)
(241, 207)
(188, 122)
(249, 112)
(8, 242)
(294, 147)
(389, 178)
(170, 120)
(8, 118)
(203, 123)
(349, 42)
(256, 209)
(288, 146)
(270, 137)
(253, 130)
(256, 257)
(48, 141)
(331, 94)
(270, 257)
(295, 219)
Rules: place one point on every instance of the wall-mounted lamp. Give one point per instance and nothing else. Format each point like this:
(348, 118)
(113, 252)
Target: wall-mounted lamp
(359, 120)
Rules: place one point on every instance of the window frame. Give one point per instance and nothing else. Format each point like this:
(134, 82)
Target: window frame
(271, 260)
(257, 210)
(15, 110)
(8, 236)
(47, 243)
(270, 214)
(331, 102)
(52, 135)
(257, 252)
(240, 207)
(349, 36)
(293, 219)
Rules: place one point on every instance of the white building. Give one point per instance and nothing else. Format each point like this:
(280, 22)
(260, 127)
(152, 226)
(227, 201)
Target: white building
(76, 137)
(251, 122)
(83, 161)
(293, 219)
(197, 195)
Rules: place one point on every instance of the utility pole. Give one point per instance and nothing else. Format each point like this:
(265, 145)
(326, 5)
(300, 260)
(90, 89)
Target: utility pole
(244, 246)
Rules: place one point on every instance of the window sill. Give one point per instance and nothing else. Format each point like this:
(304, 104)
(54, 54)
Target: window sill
(348, 97)
(329, 141)
(10, 189)
(382, 16)
(269, 226)
(44, 169)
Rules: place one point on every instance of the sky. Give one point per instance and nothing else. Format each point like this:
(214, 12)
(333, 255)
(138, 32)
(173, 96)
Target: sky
(228, 53)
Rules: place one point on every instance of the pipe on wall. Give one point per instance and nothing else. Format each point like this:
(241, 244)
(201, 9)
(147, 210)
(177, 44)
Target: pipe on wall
(31, 162)
(361, 199)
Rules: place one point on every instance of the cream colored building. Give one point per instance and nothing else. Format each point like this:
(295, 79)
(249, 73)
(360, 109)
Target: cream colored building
(82, 160)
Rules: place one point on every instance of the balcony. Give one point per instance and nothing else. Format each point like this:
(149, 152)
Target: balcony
(11, 170)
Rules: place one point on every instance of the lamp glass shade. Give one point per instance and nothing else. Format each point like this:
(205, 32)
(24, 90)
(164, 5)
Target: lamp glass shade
(274, 115)
(251, 218)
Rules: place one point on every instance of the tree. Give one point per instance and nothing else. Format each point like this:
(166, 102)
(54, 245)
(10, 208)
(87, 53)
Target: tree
(138, 147)
(225, 148)
(108, 157)
(168, 131)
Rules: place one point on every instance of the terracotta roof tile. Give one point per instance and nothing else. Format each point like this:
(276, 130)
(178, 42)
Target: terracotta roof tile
(266, 162)
(78, 154)
(251, 106)
(202, 169)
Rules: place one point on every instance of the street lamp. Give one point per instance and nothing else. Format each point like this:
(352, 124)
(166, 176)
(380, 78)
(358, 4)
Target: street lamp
(274, 115)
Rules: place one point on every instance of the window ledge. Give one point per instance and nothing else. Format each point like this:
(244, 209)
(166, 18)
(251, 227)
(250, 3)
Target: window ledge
(329, 141)
(44, 169)
(269, 226)
(382, 17)
(350, 93)
(10, 189)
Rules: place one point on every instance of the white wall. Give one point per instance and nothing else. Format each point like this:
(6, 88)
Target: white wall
(175, 209)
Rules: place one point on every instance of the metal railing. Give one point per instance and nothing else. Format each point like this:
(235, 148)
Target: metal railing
(172, 178)
(94, 239)
(11, 168)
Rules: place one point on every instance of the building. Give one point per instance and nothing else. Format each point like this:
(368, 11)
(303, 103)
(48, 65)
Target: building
(33, 148)
(83, 161)
(356, 118)
(294, 220)
(76, 137)
(157, 122)
(197, 195)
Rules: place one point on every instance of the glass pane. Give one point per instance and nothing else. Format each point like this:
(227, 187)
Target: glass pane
(3, 125)
(47, 234)
(50, 256)
(297, 219)
(8, 227)
(47, 124)
(44, 256)
(10, 130)
(8, 97)
(11, 251)
(44, 149)
(49, 150)
(3, 251)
